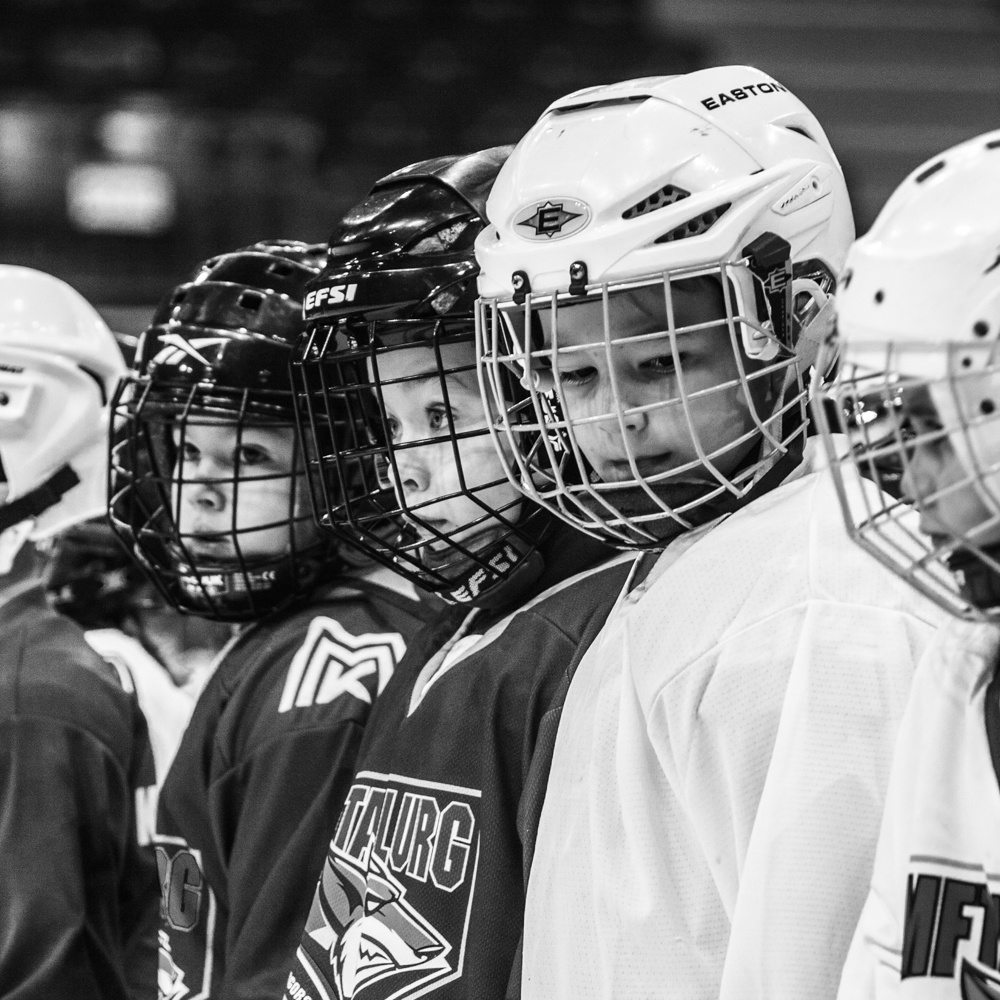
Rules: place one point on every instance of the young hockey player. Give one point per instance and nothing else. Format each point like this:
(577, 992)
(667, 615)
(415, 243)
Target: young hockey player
(208, 491)
(658, 270)
(423, 890)
(919, 321)
(78, 877)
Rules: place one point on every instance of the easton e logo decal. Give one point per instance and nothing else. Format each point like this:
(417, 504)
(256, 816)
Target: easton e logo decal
(552, 219)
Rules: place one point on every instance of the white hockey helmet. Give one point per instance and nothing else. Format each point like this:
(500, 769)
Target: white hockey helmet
(59, 365)
(918, 322)
(657, 181)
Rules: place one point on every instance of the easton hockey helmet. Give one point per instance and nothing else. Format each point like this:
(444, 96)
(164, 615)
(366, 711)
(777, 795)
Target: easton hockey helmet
(207, 474)
(631, 223)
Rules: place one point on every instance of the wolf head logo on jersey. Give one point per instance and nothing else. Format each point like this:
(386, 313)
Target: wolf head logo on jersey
(391, 914)
(978, 983)
(169, 978)
(378, 935)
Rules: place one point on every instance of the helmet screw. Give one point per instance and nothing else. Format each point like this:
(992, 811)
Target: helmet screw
(4, 399)
(980, 328)
(578, 278)
(522, 287)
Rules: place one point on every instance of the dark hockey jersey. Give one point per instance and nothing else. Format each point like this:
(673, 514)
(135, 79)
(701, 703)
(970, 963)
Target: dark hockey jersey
(260, 777)
(422, 892)
(78, 891)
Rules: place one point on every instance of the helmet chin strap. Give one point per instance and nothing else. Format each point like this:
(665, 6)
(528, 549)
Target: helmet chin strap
(35, 502)
(978, 581)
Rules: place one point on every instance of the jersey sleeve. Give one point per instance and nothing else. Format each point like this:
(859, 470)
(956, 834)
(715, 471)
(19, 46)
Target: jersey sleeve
(808, 856)
(65, 830)
(281, 803)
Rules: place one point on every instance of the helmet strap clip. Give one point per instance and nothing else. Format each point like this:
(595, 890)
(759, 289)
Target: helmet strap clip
(35, 502)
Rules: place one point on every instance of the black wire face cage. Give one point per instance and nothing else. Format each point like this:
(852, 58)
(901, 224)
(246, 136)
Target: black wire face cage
(932, 446)
(224, 530)
(623, 431)
(414, 480)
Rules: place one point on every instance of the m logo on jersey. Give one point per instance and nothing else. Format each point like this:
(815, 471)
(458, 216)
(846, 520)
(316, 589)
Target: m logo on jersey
(391, 912)
(176, 348)
(332, 662)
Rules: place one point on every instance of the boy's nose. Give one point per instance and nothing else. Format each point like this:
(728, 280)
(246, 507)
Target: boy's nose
(205, 496)
(635, 419)
(412, 473)
(918, 478)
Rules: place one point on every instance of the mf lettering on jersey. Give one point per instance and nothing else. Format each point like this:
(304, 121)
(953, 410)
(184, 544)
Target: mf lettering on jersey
(391, 912)
(952, 926)
(187, 922)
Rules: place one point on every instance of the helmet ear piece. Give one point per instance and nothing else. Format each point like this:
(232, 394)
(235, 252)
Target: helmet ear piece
(814, 321)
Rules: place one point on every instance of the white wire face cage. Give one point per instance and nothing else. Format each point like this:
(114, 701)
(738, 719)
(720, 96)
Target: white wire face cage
(680, 469)
(931, 443)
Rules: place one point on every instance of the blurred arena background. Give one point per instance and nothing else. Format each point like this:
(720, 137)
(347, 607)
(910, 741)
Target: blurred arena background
(140, 136)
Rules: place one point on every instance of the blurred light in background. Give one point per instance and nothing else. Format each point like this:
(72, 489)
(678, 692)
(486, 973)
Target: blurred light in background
(138, 137)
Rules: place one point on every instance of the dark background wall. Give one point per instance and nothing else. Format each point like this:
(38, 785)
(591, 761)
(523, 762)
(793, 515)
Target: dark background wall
(140, 136)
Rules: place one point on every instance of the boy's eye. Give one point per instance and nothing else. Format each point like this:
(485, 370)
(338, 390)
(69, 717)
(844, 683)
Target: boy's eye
(577, 376)
(251, 454)
(661, 363)
(924, 423)
(392, 426)
(190, 452)
(437, 417)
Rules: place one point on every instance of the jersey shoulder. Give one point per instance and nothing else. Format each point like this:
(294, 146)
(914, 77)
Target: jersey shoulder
(48, 670)
(321, 664)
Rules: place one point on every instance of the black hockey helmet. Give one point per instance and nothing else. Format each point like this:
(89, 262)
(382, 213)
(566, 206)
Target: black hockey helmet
(395, 307)
(91, 578)
(206, 471)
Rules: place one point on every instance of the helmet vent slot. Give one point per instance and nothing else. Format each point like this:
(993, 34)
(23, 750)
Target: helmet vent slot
(993, 144)
(611, 102)
(251, 300)
(667, 195)
(801, 131)
(696, 226)
(930, 171)
(280, 268)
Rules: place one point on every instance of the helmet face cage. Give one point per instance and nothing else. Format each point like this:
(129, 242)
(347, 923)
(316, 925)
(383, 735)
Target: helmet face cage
(347, 374)
(215, 574)
(541, 437)
(890, 420)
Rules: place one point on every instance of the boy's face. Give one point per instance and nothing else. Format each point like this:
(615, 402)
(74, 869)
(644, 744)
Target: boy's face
(432, 478)
(226, 483)
(936, 480)
(652, 420)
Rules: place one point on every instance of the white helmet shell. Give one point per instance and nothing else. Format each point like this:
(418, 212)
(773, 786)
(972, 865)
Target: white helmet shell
(624, 177)
(59, 365)
(928, 270)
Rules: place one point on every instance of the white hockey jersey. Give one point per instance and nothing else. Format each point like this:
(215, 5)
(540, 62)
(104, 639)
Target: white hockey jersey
(721, 764)
(930, 925)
